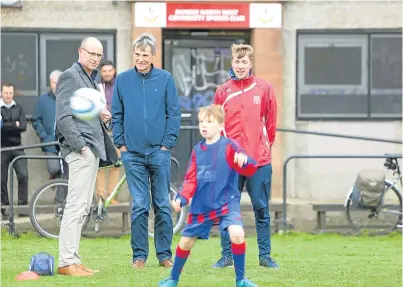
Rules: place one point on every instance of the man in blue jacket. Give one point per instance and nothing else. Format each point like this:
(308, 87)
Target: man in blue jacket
(145, 126)
(43, 122)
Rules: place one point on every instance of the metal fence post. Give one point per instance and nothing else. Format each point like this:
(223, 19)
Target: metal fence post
(11, 228)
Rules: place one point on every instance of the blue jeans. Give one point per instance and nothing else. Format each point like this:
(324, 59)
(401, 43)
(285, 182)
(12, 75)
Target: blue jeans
(259, 188)
(142, 170)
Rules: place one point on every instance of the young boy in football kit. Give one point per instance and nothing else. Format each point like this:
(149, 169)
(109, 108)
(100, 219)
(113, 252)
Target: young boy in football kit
(211, 182)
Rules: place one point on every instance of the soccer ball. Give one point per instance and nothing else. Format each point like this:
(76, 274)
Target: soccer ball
(87, 103)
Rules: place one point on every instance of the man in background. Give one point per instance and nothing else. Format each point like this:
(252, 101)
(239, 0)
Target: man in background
(13, 124)
(108, 76)
(44, 123)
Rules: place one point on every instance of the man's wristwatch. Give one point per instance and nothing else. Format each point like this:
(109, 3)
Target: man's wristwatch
(119, 146)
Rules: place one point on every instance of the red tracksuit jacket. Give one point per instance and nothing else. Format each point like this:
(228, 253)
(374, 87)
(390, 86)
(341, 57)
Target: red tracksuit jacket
(250, 115)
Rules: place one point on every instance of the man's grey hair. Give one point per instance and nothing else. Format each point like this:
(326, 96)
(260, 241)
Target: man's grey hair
(55, 73)
(145, 40)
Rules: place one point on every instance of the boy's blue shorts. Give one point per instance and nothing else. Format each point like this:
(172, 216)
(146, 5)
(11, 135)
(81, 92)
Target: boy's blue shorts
(200, 226)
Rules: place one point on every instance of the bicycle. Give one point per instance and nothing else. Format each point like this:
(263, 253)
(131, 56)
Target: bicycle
(389, 207)
(98, 211)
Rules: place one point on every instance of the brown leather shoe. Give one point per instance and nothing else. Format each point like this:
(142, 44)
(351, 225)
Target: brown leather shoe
(73, 270)
(85, 268)
(138, 264)
(167, 263)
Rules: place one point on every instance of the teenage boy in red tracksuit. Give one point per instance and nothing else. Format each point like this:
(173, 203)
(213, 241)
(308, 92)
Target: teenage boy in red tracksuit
(250, 110)
(211, 182)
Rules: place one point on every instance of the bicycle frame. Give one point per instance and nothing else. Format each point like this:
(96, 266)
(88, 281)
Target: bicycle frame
(102, 204)
(399, 178)
(122, 180)
(115, 191)
(392, 183)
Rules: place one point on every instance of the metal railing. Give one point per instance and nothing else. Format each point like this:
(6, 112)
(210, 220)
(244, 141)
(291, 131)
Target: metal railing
(11, 224)
(288, 159)
(320, 134)
(28, 146)
(191, 127)
(340, 136)
(11, 206)
(284, 210)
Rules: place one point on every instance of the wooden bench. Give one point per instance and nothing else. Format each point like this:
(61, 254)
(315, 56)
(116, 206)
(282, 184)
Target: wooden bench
(19, 209)
(322, 209)
(125, 210)
(274, 207)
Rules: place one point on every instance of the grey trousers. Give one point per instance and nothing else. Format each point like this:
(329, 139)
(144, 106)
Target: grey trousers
(82, 175)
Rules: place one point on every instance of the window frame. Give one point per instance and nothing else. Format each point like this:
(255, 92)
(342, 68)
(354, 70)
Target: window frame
(30, 92)
(64, 36)
(59, 32)
(340, 33)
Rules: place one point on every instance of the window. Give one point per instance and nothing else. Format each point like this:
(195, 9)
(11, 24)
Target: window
(28, 58)
(66, 46)
(19, 61)
(386, 75)
(351, 75)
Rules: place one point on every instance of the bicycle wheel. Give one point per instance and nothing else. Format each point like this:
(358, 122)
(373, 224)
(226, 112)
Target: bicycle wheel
(178, 219)
(45, 214)
(381, 220)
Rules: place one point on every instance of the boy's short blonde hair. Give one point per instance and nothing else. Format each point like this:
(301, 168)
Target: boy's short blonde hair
(214, 111)
(240, 50)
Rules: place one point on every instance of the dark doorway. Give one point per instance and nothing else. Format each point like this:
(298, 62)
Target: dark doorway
(199, 61)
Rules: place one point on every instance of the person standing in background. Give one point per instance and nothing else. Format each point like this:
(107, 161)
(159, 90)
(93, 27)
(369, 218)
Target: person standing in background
(13, 124)
(108, 76)
(44, 123)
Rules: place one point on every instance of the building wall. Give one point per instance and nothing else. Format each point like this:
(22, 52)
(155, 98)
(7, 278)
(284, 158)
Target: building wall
(325, 180)
(77, 15)
(330, 179)
(271, 49)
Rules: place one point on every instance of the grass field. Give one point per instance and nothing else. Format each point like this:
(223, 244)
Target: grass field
(305, 260)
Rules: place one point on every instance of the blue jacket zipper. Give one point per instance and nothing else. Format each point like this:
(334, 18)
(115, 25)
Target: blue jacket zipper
(145, 110)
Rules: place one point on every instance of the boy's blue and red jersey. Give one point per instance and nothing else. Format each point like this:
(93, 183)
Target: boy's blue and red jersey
(211, 180)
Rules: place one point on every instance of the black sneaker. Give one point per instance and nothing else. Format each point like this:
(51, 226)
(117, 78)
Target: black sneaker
(268, 262)
(224, 262)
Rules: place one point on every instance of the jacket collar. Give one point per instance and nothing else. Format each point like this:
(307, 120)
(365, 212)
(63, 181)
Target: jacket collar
(81, 68)
(89, 80)
(2, 104)
(51, 94)
(242, 82)
(149, 73)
